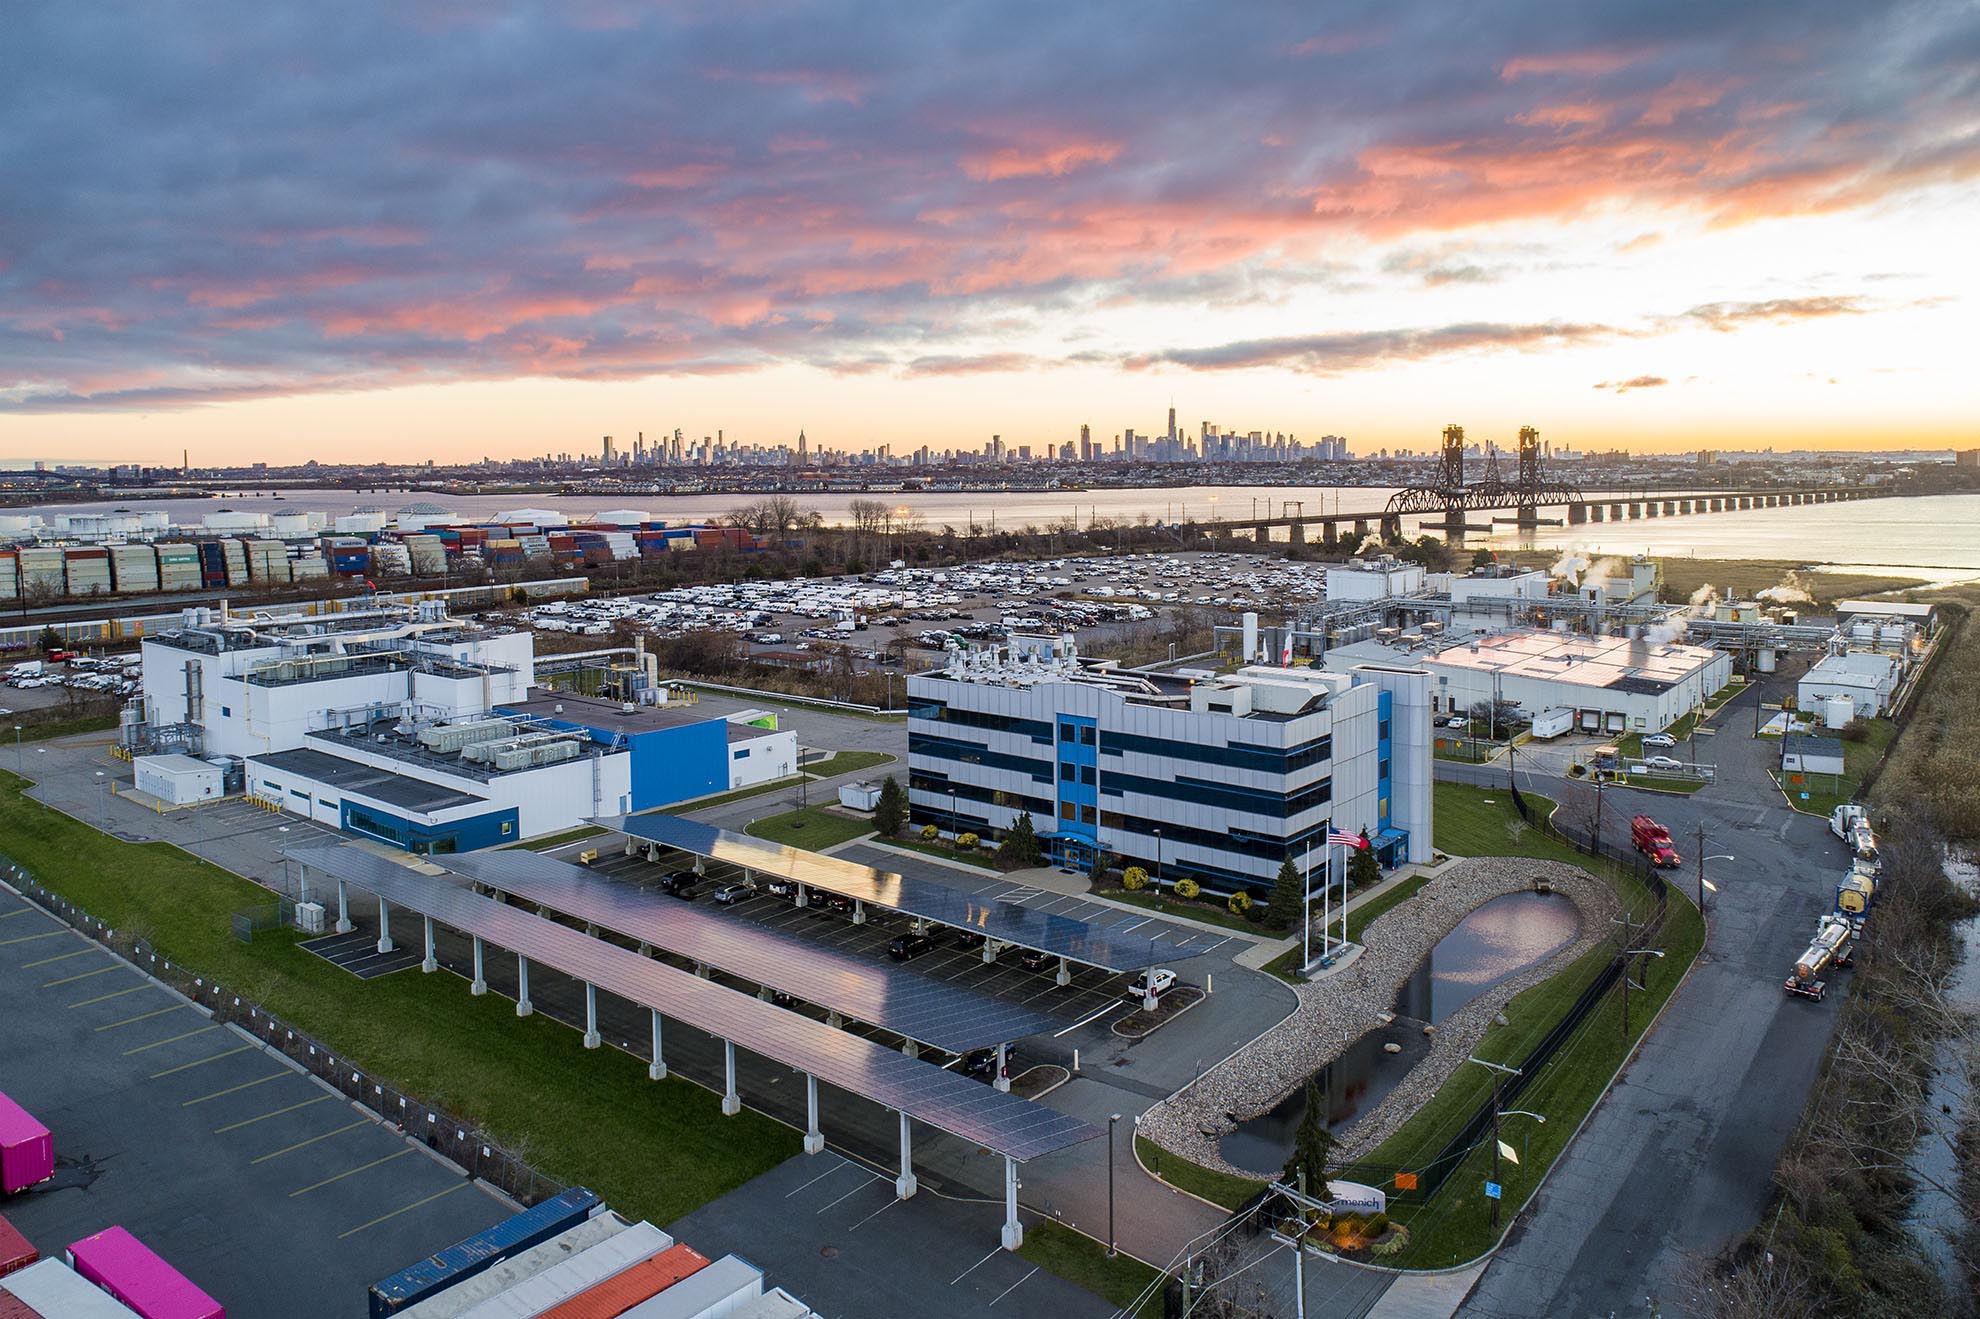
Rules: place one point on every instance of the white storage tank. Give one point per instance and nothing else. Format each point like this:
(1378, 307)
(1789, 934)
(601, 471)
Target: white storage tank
(1837, 710)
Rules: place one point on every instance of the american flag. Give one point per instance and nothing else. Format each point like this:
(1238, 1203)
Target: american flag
(1336, 838)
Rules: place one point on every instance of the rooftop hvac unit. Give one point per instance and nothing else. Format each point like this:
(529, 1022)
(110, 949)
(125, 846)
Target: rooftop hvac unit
(543, 753)
(449, 738)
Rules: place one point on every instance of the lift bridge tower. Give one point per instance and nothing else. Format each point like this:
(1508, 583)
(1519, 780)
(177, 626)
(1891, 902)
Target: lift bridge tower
(1447, 500)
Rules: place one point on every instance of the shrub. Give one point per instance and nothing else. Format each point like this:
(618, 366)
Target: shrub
(967, 842)
(1240, 903)
(1398, 1238)
(1188, 888)
(1134, 878)
(929, 833)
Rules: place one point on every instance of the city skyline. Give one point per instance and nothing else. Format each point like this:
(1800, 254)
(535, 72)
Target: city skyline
(445, 234)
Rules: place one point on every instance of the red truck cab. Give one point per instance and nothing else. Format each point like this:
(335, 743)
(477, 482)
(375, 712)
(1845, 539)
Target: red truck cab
(1654, 841)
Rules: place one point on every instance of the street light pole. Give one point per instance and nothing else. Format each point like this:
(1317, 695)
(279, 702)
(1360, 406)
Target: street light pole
(1113, 1121)
(1498, 1095)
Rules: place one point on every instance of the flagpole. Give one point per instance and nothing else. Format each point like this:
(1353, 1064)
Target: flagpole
(1306, 909)
(1326, 906)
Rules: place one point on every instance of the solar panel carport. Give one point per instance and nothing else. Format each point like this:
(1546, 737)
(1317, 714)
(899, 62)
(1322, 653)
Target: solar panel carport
(1003, 922)
(896, 1000)
(1015, 1128)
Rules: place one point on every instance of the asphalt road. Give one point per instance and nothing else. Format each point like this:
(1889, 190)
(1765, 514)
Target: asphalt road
(1676, 1161)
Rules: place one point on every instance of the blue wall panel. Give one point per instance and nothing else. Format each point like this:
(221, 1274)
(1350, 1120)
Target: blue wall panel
(673, 764)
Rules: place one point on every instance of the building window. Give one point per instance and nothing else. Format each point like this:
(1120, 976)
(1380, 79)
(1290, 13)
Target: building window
(1065, 732)
(742, 754)
(508, 827)
(1086, 735)
(1086, 774)
(1382, 770)
(1087, 815)
(1065, 810)
(226, 712)
(1065, 773)
(1382, 730)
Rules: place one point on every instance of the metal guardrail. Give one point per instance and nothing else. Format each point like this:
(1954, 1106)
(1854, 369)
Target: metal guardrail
(468, 1147)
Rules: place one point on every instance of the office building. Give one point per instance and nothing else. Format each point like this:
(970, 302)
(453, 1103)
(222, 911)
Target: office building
(1219, 778)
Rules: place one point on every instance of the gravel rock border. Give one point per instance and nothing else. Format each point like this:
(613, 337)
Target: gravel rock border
(1336, 1011)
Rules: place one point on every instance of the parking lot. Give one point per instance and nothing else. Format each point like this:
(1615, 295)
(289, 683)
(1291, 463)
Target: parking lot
(832, 1230)
(275, 1194)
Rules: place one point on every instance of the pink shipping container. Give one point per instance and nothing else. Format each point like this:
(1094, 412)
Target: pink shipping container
(129, 1270)
(27, 1151)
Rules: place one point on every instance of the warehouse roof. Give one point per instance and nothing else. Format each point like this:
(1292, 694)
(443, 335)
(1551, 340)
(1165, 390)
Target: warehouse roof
(607, 716)
(1797, 744)
(977, 1113)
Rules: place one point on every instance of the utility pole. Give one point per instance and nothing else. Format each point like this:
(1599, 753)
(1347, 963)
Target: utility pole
(1701, 870)
(1630, 952)
(1498, 1110)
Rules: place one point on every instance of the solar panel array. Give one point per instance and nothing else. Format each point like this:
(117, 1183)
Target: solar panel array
(965, 1108)
(880, 993)
(1062, 936)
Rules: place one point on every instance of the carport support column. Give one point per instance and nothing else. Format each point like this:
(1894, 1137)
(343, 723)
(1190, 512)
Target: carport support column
(731, 1101)
(1003, 1068)
(657, 1069)
(905, 1185)
(385, 944)
(1013, 1230)
(814, 1139)
(859, 912)
(344, 925)
(431, 963)
(480, 985)
(1064, 977)
(803, 895)
(591, 1038)
(523, 1008)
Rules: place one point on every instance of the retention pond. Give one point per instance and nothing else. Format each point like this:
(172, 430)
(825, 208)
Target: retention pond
(1499, 939)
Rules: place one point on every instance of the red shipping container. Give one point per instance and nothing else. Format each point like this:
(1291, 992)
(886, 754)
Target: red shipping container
(634, 1286)
(13, 1307)
(15, 1252)
(27, 1151)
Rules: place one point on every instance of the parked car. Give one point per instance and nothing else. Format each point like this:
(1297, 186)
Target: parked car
(1660, 740)
(1663, 762)
(675, 880)
(733, 893)
(907, 947)
(983, 1062)
(1152, 983)
(1032, 959)
(781, 888)
(1458, 721)
(968, 939)
(832, 901)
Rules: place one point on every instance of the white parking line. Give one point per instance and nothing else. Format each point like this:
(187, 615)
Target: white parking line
(1137, 925)
(1014, 1286)
(870, 1180)
(841, 1163)
(875, 1214)
(974, 1267)
(1111, 1007)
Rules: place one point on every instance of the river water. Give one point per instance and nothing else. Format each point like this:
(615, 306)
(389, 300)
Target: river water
(1935, 1219)
(1936, 537)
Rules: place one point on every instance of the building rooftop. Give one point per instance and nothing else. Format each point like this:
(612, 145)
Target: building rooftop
(383, 785)
(1798, 744)
(607, 716)
(1860, 665)
(1630, 664)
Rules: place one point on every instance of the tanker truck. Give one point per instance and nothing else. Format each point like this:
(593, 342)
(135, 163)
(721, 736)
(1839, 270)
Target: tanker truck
(1857, 892)
(1832, 946)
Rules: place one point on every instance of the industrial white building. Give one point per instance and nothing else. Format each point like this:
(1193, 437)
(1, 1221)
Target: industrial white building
(178, 780)
(1613, 684)
(1216, 778)
(1381, 577)
(1863, 679)
(417, 729)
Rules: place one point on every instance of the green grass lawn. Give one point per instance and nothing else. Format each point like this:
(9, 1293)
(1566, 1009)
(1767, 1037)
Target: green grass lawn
(1826, 791)
(1082, 1261)
(810, 828)
(1456, 1225)
(654, 1149)
(1219, 1188)
(56, 721)
(1474, 821)
(1286, 964)
(847, 762)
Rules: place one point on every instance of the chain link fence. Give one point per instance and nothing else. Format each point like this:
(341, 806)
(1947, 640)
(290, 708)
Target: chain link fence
(467, 1146)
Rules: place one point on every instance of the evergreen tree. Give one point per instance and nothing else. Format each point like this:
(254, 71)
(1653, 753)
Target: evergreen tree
(890, 812)
(1313, 1144)
(1363, 869)
(1020, 849)
(1283, 909)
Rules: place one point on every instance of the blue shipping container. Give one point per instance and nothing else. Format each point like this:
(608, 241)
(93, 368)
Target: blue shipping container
(464, 1259)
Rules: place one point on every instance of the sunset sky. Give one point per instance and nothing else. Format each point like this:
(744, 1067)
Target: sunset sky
(392, 232)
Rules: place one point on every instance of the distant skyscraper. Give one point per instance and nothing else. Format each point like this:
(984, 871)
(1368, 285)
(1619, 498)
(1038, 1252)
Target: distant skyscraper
(605, 456)
(1085, 443)
(803, 450)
